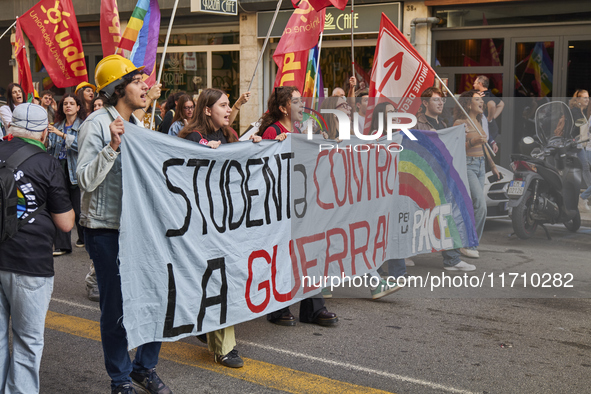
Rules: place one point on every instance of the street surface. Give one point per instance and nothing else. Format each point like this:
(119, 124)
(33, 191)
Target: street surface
(413, 341)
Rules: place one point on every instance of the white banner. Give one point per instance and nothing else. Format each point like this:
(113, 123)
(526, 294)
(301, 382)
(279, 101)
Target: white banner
(214, 237)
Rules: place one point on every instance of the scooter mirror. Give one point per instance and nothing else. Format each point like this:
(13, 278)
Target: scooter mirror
(528, 140)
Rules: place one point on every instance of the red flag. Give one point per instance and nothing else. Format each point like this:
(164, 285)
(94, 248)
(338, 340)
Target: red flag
(300, 35)
(399, 74)
(467, 81)
(24, 70)
(291, 69)
(110, 28)
(319, 5)
(52, 28)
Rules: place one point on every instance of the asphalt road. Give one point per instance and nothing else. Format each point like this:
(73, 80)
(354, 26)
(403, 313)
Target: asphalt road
(514, 338)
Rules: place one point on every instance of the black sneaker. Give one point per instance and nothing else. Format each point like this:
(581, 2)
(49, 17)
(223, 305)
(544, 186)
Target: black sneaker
(61, 252)
(231, 360)
(80, 243)
(149, 382)
(125, 388)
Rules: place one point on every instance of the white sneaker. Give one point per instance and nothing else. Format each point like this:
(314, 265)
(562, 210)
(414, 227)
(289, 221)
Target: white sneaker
(409, 263)
(583, 205)
(461, 266)
(471, 253)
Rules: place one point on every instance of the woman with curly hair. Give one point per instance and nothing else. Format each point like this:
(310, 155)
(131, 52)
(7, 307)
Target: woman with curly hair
(285, 107)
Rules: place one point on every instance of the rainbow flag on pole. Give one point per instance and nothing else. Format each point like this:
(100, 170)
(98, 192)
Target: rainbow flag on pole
(139, 41)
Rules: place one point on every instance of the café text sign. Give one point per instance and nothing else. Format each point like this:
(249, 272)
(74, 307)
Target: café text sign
(365, 19)
(223, 7)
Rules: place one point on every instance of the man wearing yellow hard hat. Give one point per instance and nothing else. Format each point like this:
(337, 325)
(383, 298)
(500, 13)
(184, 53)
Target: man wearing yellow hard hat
(120, 85)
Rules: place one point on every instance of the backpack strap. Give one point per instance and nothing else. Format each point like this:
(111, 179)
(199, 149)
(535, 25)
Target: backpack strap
(276, 128)
(20, 155)
(17, 158)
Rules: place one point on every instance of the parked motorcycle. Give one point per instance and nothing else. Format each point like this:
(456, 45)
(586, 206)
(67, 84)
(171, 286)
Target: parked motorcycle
(547, 178)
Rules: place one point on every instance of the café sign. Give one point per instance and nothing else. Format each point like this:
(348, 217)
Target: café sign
(365, 19)
(223, 7)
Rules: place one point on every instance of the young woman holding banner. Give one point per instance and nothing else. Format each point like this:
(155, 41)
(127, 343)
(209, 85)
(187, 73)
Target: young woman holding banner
(285, 107)
(210, 126)
(476, 154)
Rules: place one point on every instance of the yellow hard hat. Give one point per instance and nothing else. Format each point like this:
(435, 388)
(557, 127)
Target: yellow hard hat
(84, 85)
(110, 71)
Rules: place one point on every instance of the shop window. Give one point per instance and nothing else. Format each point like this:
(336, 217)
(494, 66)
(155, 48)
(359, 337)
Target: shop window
(465, 82)
(534, 69)
(183, 71)
(335, 64)
(225, 75)
(470, 53)
(513, 14)
(578, 76)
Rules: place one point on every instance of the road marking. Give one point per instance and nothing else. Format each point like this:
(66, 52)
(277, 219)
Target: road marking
(262, 373)
(354, 367)
(75, 304)
(389, 375)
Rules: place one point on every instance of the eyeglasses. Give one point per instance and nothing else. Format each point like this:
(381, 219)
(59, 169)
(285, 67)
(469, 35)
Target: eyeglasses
(190, 108)
(343, 105)
(438, 100)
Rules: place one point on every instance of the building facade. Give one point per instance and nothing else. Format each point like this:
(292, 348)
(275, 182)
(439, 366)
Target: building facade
(497, 39)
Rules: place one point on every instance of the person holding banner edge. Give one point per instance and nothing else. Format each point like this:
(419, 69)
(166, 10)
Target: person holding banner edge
(284, 107)
(473, 104)
(99, 177)
(210, 126)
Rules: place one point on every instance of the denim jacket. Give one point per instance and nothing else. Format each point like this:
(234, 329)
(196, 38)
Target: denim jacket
(99, 172)
(55, 145)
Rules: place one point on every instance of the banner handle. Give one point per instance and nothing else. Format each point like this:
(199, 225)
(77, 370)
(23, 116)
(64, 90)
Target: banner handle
(176, 3)
(7, 30)
(264, 45)
(465, 113)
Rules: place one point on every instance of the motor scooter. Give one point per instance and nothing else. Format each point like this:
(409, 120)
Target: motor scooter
(547, 178)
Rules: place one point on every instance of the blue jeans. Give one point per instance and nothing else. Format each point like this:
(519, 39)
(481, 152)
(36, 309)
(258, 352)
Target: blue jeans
(25, 300)
(396, 267)
(103, 247)
(476, 174)
(585, 157)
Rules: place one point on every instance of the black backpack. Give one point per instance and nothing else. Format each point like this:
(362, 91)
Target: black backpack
(9, 222)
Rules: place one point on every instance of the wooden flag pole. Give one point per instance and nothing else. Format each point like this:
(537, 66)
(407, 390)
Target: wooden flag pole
(352, 46)
(162, 58)
(265, 44)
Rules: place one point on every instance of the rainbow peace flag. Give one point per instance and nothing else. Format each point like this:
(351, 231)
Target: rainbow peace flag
(139, 41)
(541, 66)
(428, 177)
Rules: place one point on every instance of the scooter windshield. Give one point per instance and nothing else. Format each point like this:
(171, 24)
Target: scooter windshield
(553, 120)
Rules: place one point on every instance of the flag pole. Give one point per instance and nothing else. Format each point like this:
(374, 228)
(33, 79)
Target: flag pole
(316, 79)
(7, 30)
(265, 44)
(176, 3)
(465, 113)
(352, 46)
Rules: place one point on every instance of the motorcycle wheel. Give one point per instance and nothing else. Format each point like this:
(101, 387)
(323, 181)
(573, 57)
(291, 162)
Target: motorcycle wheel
(574, 224)
(523, 225)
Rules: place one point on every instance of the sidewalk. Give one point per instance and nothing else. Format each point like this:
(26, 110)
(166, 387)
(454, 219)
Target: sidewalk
(586, 218)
